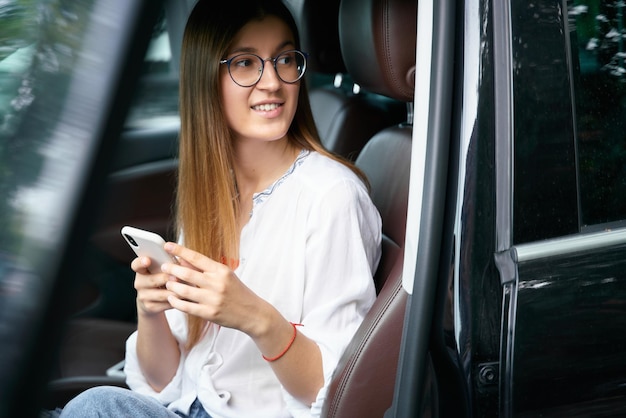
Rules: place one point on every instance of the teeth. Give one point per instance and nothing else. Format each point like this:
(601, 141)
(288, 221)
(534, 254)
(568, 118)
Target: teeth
(266, 107)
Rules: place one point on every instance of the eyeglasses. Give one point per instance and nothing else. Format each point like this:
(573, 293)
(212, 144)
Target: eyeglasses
(247, 69)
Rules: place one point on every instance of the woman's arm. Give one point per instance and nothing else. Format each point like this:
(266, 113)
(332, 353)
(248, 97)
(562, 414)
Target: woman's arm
(211, 290)
(299, 362)
(157, 349)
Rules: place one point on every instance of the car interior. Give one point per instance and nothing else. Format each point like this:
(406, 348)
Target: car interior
(361, 75)
(501, 290)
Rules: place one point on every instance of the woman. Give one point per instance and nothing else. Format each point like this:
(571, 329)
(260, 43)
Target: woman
(279, 238)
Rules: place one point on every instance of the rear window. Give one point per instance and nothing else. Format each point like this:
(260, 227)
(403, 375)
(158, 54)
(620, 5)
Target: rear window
(156, 100)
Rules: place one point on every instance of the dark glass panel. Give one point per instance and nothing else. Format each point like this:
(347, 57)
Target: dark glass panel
(598, 43)
(545, 201)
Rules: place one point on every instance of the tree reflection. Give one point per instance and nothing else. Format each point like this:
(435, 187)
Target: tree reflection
(38, 44)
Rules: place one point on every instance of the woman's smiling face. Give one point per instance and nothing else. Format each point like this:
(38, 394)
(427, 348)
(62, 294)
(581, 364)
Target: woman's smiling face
(264, 111)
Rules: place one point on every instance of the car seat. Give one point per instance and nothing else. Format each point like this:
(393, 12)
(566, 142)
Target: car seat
(345, 115)
(378, 48)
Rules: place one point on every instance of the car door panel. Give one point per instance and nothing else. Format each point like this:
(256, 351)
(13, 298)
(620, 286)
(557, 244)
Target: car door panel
(140, 196)
(138, 146)
(563, 328)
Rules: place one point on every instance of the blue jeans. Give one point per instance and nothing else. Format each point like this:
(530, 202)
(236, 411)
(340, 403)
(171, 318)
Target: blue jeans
(108, 401)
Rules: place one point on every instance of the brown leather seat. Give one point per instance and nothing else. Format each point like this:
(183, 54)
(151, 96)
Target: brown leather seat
(345, 120)
(379, 52)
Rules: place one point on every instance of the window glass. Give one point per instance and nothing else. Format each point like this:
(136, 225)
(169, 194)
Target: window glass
(545, 193)
(17, 39)
(35, 60)
(598, 43)
(569, 91)
(156, 100)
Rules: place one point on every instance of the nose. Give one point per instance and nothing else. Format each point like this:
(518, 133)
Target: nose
(269, 77)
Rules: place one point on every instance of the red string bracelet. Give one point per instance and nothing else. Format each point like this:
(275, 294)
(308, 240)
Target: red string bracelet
(293, 338)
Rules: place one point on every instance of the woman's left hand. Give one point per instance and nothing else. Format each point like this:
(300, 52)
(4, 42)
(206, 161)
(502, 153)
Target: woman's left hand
(206, 288)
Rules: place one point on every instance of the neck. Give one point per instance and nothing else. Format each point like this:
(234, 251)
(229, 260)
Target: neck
(259, 164)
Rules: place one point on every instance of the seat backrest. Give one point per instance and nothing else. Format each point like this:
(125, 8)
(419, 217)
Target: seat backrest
(379, 51)
(386, 161)
(345, 119)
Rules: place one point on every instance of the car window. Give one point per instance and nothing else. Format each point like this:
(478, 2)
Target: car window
(545, 181)
(26, 57)
(156, 99)
(569, 95)
(17, 49)
(598, 46)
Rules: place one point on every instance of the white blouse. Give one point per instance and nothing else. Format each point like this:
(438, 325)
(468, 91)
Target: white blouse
(310, 248)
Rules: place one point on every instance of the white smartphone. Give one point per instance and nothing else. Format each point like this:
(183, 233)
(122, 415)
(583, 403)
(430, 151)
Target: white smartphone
(148, 244)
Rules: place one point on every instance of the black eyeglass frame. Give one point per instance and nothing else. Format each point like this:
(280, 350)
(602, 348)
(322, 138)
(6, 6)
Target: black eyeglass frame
(262, 68)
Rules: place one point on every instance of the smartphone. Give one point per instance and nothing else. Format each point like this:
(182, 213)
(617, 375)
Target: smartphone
(148, 244)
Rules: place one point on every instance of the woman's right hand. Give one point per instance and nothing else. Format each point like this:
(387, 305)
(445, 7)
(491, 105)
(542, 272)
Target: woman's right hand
(151, 292)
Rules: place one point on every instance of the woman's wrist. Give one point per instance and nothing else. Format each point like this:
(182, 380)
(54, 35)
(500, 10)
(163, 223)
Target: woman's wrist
(270, 331)
(287, 347)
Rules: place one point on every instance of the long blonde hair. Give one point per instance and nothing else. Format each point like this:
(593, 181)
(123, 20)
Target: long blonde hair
(206, 200)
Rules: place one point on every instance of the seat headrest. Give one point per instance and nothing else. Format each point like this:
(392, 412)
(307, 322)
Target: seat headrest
(318, 24)
(378, 39)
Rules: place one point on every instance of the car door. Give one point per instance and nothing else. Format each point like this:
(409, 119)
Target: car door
(517, 274)
(563, 349)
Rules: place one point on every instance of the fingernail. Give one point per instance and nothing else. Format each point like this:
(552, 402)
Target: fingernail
(169, 246)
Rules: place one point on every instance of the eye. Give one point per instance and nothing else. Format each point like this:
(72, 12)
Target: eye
(285, 59)
(243, 61)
